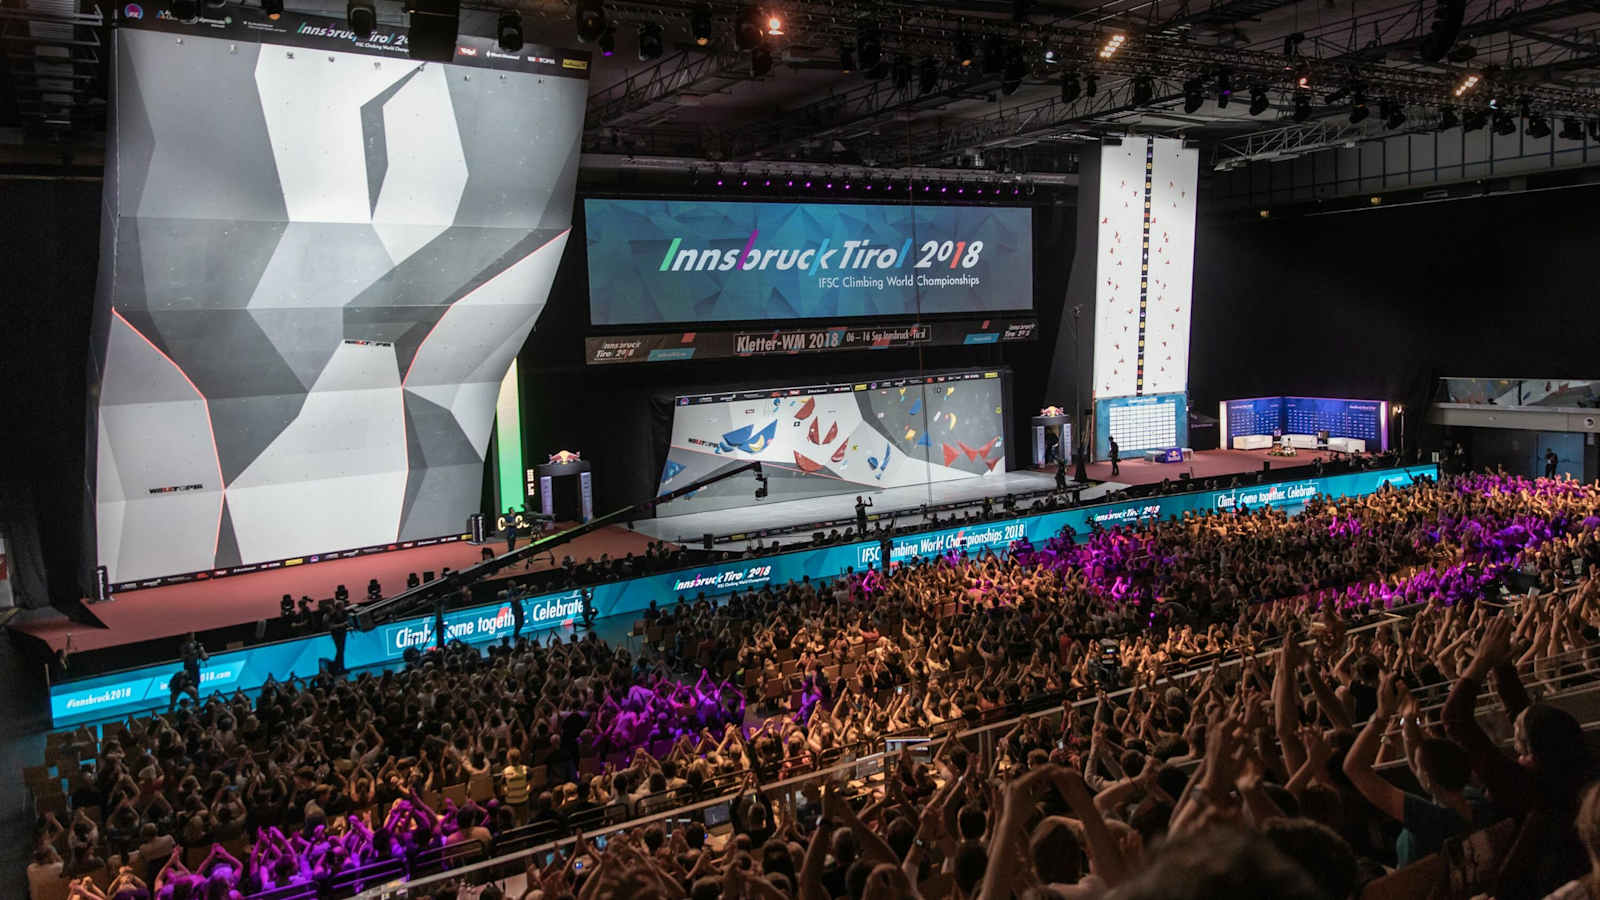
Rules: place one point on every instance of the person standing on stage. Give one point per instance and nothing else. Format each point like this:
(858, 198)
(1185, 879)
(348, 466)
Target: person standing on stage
(1550, 463)
(338, 623)
(192, 654)
(1061, 473)
(861, 515)
(1114, 450)
(1080, 463)
(511, 529)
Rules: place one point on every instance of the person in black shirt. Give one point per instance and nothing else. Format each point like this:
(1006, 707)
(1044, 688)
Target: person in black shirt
(338, 622)
(1550, 463)
(1061, 474)
(192, 653)
(1115, 470)
(861, 515)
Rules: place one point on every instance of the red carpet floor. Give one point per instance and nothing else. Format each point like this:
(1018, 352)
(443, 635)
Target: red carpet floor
(201, 605)
(1205, 464)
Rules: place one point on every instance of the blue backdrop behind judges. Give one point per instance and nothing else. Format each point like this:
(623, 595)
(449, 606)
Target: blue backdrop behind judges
(656, 261)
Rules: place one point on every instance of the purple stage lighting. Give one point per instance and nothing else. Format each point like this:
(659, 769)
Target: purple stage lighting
(719, 182)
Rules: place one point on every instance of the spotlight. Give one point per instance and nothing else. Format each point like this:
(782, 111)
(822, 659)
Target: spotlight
(902, 73)
(509, 30)
(650, 43)
(1503, 124)
(963, 48)
(1091, 84)
(700, 26)
(869, 46)
(1224, 88)
(1474, 119)
(273, 8)
(1144, 90)
(362, 16)
(1467, 84)
(1302, 106)
(1258, 100)
(750, 31)
(1015, 68)
(1538, 127)
(1193, 95)
(1358, 107)
(1070, 87)
(608, 41)
(591, 16)
(1393, 112)
(994, 54)
(760, 62)
(1050, 57)
(927, 75)
(189, 10)
(847, 58)
(1571, 129)
(1447, 118)
(1112, 45)
(774, 26)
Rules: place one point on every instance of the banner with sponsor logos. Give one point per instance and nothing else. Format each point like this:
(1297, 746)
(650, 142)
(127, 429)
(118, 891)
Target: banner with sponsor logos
(680, 345)
(119, 693)
(707, 261)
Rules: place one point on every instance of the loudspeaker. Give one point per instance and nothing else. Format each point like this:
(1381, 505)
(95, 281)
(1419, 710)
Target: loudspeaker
(1266, 465)
(705, 540)
(433, 29)
(427, 575)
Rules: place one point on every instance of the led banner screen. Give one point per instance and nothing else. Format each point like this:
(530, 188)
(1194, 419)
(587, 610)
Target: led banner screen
(119, 693)
(849, 438)
(319, 257)
(656, 261)
(680, 345)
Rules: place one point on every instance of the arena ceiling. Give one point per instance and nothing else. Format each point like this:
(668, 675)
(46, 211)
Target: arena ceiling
(1043, 75)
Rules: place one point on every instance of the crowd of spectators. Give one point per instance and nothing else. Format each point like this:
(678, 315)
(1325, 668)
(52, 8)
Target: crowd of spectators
(1256, 778)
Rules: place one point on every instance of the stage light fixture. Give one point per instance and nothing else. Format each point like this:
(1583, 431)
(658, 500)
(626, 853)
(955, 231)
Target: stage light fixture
(273, 8)
(774, 26)
(1503, 124)
(1224, 88)
(1571, 129)
(1112, 45)
(1302, 106)
(1474, 119)
(1050, 57)
(1016, 67)
(963, 50)
(700, 26)
(1091, 84)
(902, 73)
(847, 58)
(651, 44)
(869, 46)
(362, 17)
(760, 62)
(189, 10)
(1467, 84)
(994, 54)
(1447, 118)
(1538, 127)
(1259, 101)
(927, 75)
(591, 18)
(508, 32)
(1358, 107)
(1070, 87)
(608, 41)
(1194, 95)
(750, 29)
(1144, 90)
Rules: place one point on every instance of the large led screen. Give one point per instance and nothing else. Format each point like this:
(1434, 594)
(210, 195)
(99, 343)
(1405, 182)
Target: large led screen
(655, 261)
(822, 440)
(319, 257)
